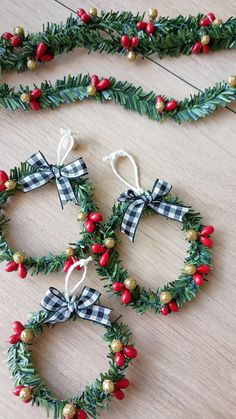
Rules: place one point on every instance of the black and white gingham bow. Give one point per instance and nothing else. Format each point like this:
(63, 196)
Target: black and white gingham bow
(45, 172)
(154, 200)
(60, 308)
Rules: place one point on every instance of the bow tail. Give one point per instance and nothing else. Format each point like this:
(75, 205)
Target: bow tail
(131, 218)
(174, 212)
(95, 313)
(65, 191)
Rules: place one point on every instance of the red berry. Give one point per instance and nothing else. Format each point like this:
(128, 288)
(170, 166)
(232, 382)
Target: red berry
(118, 394)
(80, 12)
(126, 297)
(119, 359)
(206, 241)
(203, 269)
(35, 94)
(27, 401)
(17, 327)
(173, 306)
(196, 48)
(96, 217)
(150, 28)
(16, 391)
(104, 259)
(141, 25)
(159, 99)
(98, 248)
(3, 178)
(125, 41)
(22, 271)
(74, 260)
(89, 226)
(67, 264)
(7, 35)
(15, 41)
(11, 266)
(134, 41)
(207, 231)
(40, 50)
(171, 105)
(211, 17)
(94, 80)
(204, 22)
(130, 351)
(198, 279)
(205, 49)
(81, 414)
(85, 18)
(35, 106)
(103, 85)
(122, 383)
(46, 58)
(13, 339)
(165, 310)
(118, 286)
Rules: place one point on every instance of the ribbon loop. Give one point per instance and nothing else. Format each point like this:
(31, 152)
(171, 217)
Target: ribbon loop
(152, 199)
(62, 175)
(60, 309)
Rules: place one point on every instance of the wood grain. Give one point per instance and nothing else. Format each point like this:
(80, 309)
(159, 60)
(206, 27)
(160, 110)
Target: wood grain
(186, 363)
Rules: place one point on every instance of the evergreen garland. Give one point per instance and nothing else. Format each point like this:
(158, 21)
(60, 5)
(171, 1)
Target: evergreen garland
(125, 94)
(102, 33)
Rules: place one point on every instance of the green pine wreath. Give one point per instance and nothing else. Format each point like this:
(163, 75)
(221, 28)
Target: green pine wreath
(123, 33)
(165, 299)
(17, 260)
(155, 107)
(96, 396)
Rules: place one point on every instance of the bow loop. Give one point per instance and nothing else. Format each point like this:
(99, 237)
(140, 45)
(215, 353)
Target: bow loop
(60, 308)
(152, 199)
(62, 175)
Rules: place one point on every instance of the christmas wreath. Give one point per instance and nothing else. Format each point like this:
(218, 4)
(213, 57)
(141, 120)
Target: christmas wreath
(34, 173)
(60, 307)
(117, 32)
(130, 97)
(126, 215)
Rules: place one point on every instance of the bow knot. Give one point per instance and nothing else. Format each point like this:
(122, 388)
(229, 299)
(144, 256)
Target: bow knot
(45, 172)
(60, 307)
(153, 199)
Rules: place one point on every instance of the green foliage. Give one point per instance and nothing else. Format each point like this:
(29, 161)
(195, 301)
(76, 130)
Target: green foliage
(92, 398)
(49, 263)
(182, 289)
(128, 96)
(172, 37)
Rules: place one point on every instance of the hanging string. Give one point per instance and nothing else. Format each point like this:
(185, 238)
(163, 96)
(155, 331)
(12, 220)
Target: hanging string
(83, 264)
(122, 153)
(67, 142)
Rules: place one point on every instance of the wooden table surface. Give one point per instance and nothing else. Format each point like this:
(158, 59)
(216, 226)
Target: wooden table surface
(186, 363)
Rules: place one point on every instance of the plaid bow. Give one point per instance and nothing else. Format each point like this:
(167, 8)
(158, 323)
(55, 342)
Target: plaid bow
(60, 308)
(45, 172)
(153, 199)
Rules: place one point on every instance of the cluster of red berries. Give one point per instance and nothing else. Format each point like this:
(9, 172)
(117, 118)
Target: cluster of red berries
(91, 220)
(17, 264)
(129, 43)
(207, 20)
(25, 393)
(126, 352)
(84, 16)
(120, 385)
(14, 40)
(204, 234)
(99, 84)
(162, 105)
(170, 307)
(125, 295)
(17, 329)
(149, 27)
(42, 54)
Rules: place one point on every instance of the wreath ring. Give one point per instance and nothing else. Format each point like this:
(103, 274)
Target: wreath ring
(126, 215)
(60, 307)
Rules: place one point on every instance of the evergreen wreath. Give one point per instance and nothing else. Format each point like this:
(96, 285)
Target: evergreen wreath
(117, 32)
(71, 187)
(156, 107)
(59, 307)
(126, 215)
